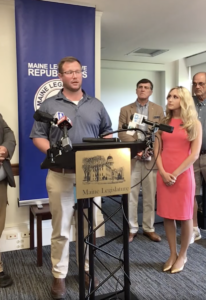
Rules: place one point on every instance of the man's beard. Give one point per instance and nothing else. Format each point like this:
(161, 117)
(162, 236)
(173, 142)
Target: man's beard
(71, 89)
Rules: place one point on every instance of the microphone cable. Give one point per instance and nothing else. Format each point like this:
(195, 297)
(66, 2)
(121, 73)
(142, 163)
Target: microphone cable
(143, 178)
(151, 167)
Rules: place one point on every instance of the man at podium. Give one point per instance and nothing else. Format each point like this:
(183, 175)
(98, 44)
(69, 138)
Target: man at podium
(88, 118)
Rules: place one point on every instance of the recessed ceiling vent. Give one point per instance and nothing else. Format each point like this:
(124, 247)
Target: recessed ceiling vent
(146, 52)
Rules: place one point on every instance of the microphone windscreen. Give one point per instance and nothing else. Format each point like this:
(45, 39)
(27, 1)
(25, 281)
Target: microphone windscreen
(166, 128)
(124, 126)
(42, 116)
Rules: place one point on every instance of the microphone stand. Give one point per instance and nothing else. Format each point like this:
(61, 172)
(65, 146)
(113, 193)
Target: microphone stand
(51, 150)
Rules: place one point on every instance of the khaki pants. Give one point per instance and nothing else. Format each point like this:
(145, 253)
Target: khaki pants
(138, 172)
(200, 172)
(3, 204)
(61, 201)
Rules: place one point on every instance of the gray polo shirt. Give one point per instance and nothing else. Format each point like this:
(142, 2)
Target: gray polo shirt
(201, 110)
(89, 118)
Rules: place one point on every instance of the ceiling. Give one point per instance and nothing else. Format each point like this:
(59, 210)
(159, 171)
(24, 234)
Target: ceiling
(175, 25)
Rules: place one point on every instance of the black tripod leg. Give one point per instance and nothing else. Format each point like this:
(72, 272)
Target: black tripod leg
(91, 253)
(126, 247)
(81, 248)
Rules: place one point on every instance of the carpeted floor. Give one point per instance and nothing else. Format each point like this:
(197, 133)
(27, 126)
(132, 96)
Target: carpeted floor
(146, 261)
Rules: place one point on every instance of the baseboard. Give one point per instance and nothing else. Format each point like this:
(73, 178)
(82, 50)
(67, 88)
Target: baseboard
(17, 238)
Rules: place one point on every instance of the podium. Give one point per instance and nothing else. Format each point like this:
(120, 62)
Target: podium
(67, 161)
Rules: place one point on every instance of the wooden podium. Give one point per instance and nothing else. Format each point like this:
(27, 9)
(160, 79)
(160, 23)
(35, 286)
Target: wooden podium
(67, 161)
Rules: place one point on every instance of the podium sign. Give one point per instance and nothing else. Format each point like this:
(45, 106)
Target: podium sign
(103, 172)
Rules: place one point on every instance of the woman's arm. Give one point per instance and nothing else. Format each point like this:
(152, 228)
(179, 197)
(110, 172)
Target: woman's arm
(195, 152)
(158, 151)
(167, 178)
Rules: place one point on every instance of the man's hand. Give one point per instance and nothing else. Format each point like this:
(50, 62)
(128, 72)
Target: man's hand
(108, 136)
(144, 155)
(3, 154)
(139, 155)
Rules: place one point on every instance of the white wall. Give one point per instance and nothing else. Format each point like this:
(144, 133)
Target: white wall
(196, 60)
(197, 63)
(8, 105)
(162, 89)
(170, 77)
(182, 74)
(118, 88)
(198, 68)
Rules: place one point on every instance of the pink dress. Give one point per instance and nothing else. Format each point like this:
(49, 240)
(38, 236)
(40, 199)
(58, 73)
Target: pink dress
(176, 201)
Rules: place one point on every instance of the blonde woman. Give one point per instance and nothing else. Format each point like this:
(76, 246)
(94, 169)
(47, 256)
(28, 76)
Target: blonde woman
(175, 177)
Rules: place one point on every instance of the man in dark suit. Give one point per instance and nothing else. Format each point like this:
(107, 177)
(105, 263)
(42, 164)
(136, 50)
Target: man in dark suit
(7, 146)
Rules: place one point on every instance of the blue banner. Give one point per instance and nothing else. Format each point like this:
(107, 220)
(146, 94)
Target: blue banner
(45, 33)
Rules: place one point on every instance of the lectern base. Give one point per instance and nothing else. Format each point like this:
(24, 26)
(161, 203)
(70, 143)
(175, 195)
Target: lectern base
(113, 296)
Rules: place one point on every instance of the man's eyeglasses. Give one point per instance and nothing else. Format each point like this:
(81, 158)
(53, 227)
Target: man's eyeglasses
(70, 73)
(195, 84)
(144, 87)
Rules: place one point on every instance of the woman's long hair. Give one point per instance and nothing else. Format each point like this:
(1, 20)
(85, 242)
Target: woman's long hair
(188, 112)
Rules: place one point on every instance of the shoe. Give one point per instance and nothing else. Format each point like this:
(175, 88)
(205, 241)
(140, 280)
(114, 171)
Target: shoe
(58, 289)
(196, 235)
(152, 236)
(132, 236)
(173, 271)
(167, 267)
(5, 280)
(87, 281)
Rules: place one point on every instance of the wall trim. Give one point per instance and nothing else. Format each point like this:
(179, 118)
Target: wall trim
(122, 65)
(196, 60)
(20, 242)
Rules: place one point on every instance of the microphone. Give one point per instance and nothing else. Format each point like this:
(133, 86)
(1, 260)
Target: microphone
(64, 123)
(139, 119)
(130, 127)
(44, 117)
(166, 128)
(125, 126)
